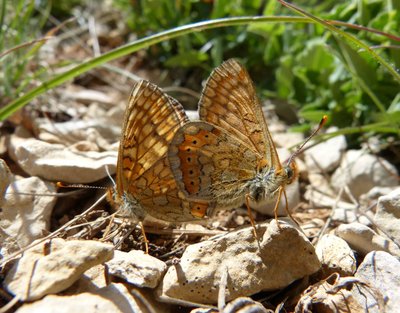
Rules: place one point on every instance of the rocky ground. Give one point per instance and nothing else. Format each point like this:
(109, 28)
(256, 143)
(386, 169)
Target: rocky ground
(61, 253)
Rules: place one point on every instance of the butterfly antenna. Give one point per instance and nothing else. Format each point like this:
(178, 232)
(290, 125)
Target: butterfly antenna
(82, 186)
(296, 153)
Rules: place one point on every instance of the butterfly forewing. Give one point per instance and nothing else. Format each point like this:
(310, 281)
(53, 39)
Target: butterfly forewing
(229, 101)
(151, 120)
(143, 173)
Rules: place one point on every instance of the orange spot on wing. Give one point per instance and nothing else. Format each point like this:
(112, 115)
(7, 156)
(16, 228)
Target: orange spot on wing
(199, 210)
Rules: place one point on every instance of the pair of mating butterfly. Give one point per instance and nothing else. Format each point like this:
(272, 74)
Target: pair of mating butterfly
(177, 170)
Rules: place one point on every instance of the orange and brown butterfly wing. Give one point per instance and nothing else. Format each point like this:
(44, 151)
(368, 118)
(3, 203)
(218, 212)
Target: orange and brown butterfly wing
(229, 101)
(151, 121)
(210, 164)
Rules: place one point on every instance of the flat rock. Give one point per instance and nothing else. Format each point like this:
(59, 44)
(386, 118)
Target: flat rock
(281, 257)
(137, 268)
(335, 256)
(387, 216)
(361, 172)
(326, 156)
(382, 271)
(26, 211)
(115, 298)
(57, 162)
(364, 240)
(53, 266)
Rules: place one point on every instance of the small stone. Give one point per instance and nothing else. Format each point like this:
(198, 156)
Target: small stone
(364, 240)
(361, 172)
(387, 215)
(26, 211)
(326, 156)
(245, 304)
(382, 271)
(53, 266)
(115, 298)
(336, 256)
(280, 257)
(137, 268)
(348, 215)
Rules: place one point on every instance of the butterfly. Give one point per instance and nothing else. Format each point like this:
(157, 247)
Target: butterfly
(145, 186)
(228, 157)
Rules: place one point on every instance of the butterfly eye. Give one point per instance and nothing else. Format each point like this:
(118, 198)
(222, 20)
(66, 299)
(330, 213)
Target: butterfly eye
(291, 172)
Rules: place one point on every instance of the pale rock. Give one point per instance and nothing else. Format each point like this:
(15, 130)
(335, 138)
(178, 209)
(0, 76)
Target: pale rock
(286, 140)
(320, 183)
(5, 178)
(88, 96)
(137, 268)
(377, 192)
(387, 216)
(326, 155)
(364, 240)
(3, 145)
(330, 295)
(381, 271)
(243, 305)
(361, 171)
(99, 131)
(26, 211)
(349, 215)
(335, 256)
(53, 266)
(280, 257)
(321, 199)
(115, 298)
(58, 163)
(93, 279)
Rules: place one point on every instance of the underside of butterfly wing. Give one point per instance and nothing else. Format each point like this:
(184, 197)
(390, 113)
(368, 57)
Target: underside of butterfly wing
(209, 164)
(145, 184)
(229, 101)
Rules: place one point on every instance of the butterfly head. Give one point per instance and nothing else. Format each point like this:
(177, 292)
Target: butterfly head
(291, 172)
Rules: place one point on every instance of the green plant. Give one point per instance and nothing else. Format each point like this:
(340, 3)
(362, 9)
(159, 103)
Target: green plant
(310, 63)
(20, 26)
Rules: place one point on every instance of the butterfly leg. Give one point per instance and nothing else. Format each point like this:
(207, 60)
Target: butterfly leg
(251, 216)
(146, 241)
(282, 190)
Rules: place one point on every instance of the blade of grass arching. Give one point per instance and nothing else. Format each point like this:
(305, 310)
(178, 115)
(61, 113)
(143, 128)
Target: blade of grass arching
(141, 44)
(350, 38)
(127, 49)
